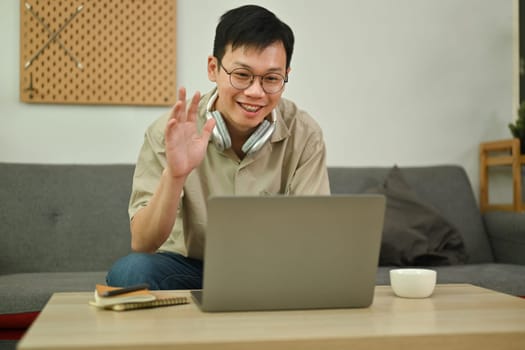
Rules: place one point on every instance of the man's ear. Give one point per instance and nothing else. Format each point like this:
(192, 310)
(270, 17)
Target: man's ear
(212, 68)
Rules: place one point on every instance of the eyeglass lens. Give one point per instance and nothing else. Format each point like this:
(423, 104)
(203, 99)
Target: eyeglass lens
(241, 79)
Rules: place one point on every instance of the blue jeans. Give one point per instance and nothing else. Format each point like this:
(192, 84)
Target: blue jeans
(160, 270)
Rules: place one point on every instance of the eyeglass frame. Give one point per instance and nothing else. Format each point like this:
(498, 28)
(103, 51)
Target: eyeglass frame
(284, 80)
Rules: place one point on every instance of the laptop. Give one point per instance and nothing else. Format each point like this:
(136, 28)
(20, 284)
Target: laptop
(291, 252)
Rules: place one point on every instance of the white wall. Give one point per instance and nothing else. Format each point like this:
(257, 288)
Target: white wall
(412, 82)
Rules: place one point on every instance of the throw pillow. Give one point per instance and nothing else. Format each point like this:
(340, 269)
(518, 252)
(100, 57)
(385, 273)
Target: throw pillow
(414, 232)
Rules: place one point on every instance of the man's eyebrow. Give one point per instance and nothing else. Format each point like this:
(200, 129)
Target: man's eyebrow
(244, 65)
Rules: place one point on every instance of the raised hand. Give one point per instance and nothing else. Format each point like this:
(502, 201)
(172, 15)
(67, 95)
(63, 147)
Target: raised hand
(185, 145)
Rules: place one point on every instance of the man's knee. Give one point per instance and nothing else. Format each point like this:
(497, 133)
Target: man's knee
(134, 268)
(160, 271)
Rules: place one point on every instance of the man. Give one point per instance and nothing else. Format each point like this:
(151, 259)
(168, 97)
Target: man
(239, 139)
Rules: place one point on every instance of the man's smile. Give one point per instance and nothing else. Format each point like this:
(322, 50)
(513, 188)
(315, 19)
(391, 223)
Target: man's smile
(249, 107)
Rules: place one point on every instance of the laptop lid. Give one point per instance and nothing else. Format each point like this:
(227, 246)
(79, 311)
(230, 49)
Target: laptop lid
(284, 252)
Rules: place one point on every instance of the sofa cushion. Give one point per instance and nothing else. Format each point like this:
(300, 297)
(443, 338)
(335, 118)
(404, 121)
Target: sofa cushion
(507, 235)
(414, 233)
(446, 187)
(28, 292)
(59, 218)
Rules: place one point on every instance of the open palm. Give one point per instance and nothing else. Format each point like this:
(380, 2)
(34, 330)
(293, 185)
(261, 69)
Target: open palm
(185, 145)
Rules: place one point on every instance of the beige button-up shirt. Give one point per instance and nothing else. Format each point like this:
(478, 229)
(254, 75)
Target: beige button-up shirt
(293, 162)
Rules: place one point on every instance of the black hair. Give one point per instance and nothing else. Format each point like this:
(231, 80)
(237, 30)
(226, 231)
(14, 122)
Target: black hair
(253, 26)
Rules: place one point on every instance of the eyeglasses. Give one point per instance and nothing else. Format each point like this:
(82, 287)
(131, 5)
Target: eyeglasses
(242, 78)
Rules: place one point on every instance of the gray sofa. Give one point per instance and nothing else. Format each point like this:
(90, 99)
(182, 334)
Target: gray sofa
(62, 226)
(495, 241)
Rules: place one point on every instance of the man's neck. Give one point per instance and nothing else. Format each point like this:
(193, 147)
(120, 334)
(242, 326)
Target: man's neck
(238, 139)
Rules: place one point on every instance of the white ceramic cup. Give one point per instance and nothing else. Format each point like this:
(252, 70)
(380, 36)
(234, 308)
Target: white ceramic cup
(413, 283)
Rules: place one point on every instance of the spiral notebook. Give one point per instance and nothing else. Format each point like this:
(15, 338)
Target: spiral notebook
(140, 299)
(282, 252)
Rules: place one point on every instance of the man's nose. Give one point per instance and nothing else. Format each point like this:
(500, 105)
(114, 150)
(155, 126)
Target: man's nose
(255, 88)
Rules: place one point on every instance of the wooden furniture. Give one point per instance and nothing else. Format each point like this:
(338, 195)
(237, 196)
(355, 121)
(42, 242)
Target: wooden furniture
(501, 153)
(457, 316)
(98, 52)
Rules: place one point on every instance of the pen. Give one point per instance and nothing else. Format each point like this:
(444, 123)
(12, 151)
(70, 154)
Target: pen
(129, 289)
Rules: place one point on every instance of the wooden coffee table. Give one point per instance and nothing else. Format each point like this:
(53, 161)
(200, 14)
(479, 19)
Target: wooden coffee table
(457, 316)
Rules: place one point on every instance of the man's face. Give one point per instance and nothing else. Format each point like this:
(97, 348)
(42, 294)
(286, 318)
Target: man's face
(244, 110)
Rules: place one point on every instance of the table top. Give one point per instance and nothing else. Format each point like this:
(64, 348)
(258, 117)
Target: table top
(456, 316)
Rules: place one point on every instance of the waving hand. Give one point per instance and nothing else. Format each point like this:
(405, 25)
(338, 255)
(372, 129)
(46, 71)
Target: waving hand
(185, 145)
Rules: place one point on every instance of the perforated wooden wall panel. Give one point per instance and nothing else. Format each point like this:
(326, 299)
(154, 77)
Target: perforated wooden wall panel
(98, 51)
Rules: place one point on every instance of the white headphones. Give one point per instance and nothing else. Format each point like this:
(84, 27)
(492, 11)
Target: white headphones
(221, 138)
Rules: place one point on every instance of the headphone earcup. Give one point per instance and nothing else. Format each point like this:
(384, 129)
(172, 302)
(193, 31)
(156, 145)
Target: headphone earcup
(259, 137)
(220, 136)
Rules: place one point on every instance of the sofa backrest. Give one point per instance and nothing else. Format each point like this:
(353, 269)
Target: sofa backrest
(74, 217)
(445, 187)
(63, 217)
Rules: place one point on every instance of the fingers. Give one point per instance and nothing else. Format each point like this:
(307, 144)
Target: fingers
(179, 111)
(207, 129)
(169, 128)
(182, 94)
(179, 114)
(194, 106)
(180, 106)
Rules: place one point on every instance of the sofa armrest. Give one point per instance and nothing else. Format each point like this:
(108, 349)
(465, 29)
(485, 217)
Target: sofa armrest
(506, 232)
